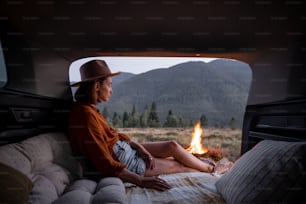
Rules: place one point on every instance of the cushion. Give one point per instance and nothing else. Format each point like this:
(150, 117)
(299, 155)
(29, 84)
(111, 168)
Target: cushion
(84, 191)
(12, 183)
(41, 170)
(62, 154)
(43, 190)
(271, 172)
(44, 159)
(110, 190)
(80, 192)
(11, 156)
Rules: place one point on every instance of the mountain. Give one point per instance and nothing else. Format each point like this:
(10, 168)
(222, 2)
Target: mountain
(217, 89)
(121, 78)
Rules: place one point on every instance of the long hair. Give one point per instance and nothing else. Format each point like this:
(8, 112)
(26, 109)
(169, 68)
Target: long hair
(85, 93)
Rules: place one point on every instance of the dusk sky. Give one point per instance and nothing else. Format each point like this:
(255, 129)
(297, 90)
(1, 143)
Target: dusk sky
(135, 65)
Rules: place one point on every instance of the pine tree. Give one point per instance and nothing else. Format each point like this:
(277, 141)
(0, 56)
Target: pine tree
(171, 120)
(117, 122)
(186, 122)
(134, 118)
(153, 120)
(125, 120)
(133, 110)
(105, 113)
(181, 122)
(191, 123)
(144, 117)
(203, 120)
(232, 123)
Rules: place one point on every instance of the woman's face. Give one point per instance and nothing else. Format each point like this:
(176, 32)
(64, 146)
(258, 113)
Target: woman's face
(104, 90)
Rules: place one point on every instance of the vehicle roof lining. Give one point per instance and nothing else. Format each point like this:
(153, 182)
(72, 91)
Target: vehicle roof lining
(250, 31)
(124, 27)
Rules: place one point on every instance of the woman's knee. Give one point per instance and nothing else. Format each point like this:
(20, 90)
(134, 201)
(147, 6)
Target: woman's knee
(173, 145)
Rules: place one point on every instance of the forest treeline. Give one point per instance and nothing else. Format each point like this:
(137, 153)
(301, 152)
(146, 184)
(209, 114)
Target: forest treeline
(150, 118)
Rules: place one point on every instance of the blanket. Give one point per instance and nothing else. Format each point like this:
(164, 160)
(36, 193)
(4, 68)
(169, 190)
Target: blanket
(196, 187)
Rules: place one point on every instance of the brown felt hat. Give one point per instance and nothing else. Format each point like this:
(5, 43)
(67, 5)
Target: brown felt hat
(94, 69)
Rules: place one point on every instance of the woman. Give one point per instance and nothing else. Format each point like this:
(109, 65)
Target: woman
(113, 153)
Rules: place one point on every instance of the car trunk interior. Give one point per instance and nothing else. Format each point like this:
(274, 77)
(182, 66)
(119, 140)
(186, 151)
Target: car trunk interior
(40, 41)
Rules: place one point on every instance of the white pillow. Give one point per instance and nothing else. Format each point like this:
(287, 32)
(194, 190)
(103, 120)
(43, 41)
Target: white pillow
(271, 172)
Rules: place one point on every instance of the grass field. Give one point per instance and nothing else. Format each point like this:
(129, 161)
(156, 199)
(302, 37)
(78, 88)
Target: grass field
(220, 142)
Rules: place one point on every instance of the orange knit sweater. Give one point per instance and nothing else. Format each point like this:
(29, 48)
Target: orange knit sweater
(93, 138)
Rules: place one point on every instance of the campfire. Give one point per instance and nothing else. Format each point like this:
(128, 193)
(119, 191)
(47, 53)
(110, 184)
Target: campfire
(208, 155)
(196, 147)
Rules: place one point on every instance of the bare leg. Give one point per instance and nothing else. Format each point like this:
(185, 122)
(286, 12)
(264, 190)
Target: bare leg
(167, 166)
(173, 149)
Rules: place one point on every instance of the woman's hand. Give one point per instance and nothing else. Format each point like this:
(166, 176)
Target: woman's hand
(155, 183)
(143, 153)
(150, 162)
(146, 182)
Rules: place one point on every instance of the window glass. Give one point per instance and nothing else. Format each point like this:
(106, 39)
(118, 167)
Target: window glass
(3, 74)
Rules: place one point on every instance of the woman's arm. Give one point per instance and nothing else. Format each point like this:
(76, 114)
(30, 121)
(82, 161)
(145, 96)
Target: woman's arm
(147, 182)
(140, 149)
(145, 154)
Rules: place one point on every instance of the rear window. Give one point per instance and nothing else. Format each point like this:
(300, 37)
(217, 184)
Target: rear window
(189, 88)
(162, 98)
(3, 74)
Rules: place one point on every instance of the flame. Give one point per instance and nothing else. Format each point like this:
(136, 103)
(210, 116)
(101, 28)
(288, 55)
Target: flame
(195, 146)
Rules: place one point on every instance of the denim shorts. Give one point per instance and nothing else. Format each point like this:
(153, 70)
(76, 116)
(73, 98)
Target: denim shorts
(127, 155)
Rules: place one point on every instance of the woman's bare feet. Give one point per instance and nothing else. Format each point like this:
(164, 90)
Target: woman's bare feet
(209, 162)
